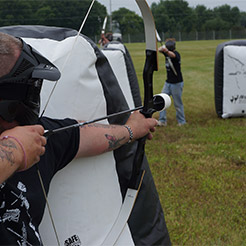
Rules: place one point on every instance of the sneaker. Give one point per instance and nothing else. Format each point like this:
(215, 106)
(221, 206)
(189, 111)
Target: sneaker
(160, 123)
(181, 124)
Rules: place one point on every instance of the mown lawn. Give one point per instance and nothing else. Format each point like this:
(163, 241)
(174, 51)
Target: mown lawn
(200, 168)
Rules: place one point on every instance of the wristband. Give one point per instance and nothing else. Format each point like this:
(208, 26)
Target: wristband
(130, 133)
(22, 147)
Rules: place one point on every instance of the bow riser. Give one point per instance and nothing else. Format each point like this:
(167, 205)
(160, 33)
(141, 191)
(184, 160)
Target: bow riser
(149, 67)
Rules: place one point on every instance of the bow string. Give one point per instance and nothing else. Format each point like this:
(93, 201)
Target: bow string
(45, 107)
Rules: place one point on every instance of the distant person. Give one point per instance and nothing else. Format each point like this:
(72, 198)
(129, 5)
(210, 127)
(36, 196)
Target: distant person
(174, 83)
(105, 39)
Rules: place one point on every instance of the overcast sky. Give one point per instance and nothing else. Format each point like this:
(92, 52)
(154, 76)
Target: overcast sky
(131, 4)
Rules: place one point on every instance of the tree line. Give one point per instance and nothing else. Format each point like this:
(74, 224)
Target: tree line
(176, 15)
(170, 16)
(60, 13)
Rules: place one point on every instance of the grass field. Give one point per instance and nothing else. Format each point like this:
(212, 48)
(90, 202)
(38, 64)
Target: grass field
(200, 168)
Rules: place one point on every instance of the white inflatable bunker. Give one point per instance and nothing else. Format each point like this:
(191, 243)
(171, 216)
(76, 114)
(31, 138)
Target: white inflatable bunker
(86, 196)
(87, 191)
(230, 79)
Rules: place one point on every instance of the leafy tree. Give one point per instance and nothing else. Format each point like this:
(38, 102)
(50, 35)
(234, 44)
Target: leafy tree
(202, 15)
(223, 18)
(228, 14)
(216, 24)
(70, 13)
(162, 20)
(177, 15)
(170, 16)
(129, 21)
(15, 12)
(44, 15)
(65, 13)
(243, 19)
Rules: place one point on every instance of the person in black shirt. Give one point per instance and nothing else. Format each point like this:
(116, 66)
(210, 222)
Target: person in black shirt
(174, 83)
(22, 204)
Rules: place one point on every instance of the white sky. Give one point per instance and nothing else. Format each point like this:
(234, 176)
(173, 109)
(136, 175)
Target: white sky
(131, 4)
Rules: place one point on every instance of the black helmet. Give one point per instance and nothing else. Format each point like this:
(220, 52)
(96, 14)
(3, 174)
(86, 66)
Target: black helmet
(170, 44)
(109, 36)
(20, 88)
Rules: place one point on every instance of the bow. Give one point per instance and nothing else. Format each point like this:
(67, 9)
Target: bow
(148, 73)
(151, 65)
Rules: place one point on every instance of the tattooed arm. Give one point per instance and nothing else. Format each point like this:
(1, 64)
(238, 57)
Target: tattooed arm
(21, 149)
(99, 138)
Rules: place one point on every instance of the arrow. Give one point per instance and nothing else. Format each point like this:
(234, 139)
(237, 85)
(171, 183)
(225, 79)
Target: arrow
(160, 102)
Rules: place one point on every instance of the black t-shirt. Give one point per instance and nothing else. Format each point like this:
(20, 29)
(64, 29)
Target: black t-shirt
(171, 76)
(22, 201)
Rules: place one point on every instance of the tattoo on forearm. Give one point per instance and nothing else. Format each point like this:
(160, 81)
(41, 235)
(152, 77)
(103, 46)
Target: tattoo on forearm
(101, 126)
(113, 142)
(7, 154)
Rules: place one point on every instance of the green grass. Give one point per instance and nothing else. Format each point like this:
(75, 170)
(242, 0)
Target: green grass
(199, 169)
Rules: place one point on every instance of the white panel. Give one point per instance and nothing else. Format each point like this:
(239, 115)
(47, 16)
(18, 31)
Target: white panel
(85, 196)
(117, 62)
(234, 88)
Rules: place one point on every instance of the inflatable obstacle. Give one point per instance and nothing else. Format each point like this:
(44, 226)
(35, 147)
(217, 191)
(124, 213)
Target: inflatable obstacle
(86, 196)
(230, 79)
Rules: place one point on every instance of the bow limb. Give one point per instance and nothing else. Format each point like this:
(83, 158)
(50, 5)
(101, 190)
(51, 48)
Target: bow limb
(103, 31)
(104, 25)
(158, 38)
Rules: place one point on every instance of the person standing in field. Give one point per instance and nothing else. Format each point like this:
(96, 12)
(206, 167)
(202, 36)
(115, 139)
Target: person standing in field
(174, 83)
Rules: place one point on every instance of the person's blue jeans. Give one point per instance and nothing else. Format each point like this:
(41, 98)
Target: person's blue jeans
(174, 90)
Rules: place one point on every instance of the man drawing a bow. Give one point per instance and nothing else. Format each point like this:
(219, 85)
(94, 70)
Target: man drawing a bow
(22, 204)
